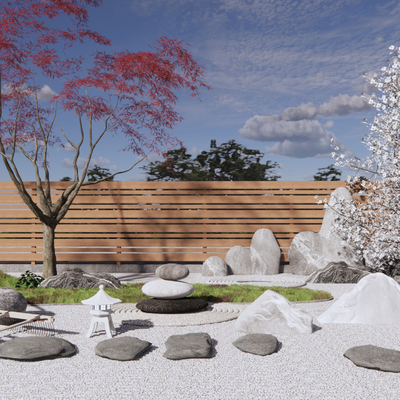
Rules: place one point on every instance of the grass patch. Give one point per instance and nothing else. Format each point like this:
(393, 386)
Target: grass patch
(132, 293)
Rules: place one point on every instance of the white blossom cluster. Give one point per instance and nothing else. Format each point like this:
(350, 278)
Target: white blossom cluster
(372, 228)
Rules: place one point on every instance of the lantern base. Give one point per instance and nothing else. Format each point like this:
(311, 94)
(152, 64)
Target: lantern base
(109, 326)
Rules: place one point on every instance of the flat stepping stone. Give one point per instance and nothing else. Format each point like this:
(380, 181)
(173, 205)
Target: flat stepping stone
(174, 306)
(36, 348)
(260, 344)
(374, 357)
(191, 345)
(121, 349)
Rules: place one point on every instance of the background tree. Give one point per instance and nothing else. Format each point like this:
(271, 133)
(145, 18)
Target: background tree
(28, 47)
(372, 228)
(228, 162)
(95, 174)
(324, 176)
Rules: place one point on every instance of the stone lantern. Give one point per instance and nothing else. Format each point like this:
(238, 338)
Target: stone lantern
(101, 311)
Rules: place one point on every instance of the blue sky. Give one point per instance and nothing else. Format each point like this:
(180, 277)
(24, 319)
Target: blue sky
(287, 77)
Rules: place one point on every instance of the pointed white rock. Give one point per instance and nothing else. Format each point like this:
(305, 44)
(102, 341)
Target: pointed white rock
(265, 253)
(375, 300)
(273, 313)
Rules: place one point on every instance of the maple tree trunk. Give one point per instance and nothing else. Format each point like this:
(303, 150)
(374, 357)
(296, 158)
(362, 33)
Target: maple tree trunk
(49, 254)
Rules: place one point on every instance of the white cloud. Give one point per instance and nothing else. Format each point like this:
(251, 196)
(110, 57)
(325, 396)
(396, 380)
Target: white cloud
(299, 135)
(343, 104)
(100, 161)
(46, 93)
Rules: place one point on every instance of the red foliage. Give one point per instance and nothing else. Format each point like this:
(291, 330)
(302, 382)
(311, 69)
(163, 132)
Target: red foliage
(27, 42)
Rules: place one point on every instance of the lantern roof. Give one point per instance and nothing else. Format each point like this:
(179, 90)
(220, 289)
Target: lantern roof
(101, 297)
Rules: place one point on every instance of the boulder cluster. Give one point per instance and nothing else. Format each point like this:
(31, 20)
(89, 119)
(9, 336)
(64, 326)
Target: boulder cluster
(323, 259)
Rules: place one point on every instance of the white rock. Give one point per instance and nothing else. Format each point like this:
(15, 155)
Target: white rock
(214, 266)
(374, 300)
(310, 251)
(265, 253)
(273, 313)
(162, 289)
(238, 261)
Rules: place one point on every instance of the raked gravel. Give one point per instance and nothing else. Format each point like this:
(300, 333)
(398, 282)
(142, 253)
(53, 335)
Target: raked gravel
(305, 367)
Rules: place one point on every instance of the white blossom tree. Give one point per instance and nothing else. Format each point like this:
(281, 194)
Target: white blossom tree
(373, 227)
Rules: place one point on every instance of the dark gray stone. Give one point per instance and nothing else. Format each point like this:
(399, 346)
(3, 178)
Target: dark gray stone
(260, 344)
(338, 272)
(36, 348)
(374, 357)
(11, 300)
(172, 272)
(171, 306)
(121, 349)
(191, 345)
(77, 278)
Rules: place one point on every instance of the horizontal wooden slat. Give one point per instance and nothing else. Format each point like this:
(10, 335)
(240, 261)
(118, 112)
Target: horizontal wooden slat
(162, 221)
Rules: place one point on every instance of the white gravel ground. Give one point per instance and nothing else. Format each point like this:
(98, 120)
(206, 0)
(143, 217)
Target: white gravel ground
(305, 367)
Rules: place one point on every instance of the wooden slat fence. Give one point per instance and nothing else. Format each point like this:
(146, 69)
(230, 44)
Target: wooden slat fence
(135, 222)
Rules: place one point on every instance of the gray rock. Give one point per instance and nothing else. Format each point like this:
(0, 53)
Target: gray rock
(338, 273)
(310, 251)
(172, 272)
(265, 253)
(121, 349)
(162, 289)
(257, 343)
(174, 306)
(191, 345)
(36, 348)
(77, 278)
(214, 266)
(11, 300)
(374, 357)
(238, 260)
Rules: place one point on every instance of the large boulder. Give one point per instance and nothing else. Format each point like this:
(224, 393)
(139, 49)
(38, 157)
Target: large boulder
(374, 300)
(310, 251)
(214, 266)
(273, 313)
(265, 253)
(76, 278)
(338, 273)
(11, 300)
(238, 260)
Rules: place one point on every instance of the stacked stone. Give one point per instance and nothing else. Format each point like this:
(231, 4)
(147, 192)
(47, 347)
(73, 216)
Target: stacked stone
(169, 293)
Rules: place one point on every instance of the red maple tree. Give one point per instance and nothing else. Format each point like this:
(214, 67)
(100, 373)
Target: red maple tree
(29, 46)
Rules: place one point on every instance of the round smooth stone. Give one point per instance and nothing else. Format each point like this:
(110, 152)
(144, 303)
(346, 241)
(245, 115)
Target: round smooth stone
(162, 289)
(172, 272)
(177, 306)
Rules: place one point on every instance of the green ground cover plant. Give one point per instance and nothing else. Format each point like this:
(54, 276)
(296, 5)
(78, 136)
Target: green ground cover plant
(132, 293)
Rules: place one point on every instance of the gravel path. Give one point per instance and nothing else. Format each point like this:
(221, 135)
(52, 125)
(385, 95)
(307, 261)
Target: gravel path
(305, 367)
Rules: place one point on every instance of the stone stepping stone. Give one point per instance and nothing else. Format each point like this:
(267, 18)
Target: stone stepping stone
(374, 357)
(260, 344)
(175, 306)
(191, 345)
(36, 348)
(121, 349)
